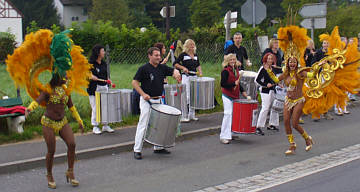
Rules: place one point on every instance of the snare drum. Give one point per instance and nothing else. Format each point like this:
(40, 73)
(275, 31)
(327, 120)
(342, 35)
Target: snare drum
(163, 125)
(108, 106)
(244, 116)
(202, 92)
(278, 105)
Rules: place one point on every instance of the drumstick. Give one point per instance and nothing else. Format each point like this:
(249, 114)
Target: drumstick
(168, 55)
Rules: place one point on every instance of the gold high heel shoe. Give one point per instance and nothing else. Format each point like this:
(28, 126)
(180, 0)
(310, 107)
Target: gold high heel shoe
(73, 181)
(51, 184)
(291, 150)
(308, 147)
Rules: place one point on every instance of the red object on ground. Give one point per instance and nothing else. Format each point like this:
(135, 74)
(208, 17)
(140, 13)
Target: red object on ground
(244, 116)
(113, 85)
(10, 110)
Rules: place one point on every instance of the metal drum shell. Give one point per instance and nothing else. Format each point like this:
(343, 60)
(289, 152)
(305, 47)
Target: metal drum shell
(162, 125)
(202, 92)
(125, 100)
(171, 99)
(110, 106)
(247, 81)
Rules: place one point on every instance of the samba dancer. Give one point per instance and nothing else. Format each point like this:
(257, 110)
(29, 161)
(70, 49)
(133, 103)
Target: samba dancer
(70, 71)
(98, 82)
(188, 62)
(231, 89)
(267, 95)
(151, 76)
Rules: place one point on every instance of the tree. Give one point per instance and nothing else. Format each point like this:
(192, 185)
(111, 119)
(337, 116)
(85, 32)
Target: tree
(205, 13)
(152, 8)
(347, 18)
(41, 11)
(182, 15)
(138, 16)
(110, 10)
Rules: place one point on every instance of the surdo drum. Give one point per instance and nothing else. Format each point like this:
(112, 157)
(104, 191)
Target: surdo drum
(278, 103)
(162, 125)
(108, 106)
(247, 81)
(244, 116)
(125, 101)
(202, 92)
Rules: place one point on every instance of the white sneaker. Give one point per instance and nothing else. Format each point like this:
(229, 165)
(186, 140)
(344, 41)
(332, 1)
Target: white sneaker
(184, 120)
(194, 118)
(224, 141)
(96, 130)
(107, 128)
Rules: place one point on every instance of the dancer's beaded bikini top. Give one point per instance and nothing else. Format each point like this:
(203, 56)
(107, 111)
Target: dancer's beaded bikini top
(58, 96)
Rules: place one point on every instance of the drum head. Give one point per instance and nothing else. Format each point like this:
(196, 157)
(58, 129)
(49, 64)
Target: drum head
(166, 109)
(244, 101)
(125, 90)
(249, 74)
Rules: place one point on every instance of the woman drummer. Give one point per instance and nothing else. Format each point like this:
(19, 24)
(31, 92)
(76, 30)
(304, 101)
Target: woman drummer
(231, 88)
(188, 63)
(267, 95)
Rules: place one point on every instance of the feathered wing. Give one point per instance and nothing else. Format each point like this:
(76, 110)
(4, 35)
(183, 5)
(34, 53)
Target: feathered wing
(337, 76)
(33, 57)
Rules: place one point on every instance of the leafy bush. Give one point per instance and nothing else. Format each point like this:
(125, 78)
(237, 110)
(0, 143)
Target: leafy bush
(7, 45)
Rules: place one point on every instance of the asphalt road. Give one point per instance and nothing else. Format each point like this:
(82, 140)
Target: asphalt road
(344, 178)
(195, 163)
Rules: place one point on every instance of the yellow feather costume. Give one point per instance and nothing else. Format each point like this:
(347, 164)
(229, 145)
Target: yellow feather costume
(33, 57)
(339, 75)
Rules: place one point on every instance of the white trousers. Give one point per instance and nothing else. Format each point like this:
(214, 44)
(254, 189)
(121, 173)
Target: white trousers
(186, 80)
(266, 103)
(143, 123)
(93, 105)
(227, 119)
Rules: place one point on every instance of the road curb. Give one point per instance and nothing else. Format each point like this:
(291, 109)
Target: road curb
(15, 166)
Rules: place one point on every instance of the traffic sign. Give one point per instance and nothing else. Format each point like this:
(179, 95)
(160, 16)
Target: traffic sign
(232, 19)
(253, 12)
(313, 10)
(172, 11)
(319, 23)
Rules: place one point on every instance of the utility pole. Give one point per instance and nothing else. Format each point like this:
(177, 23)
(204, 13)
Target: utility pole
(167, 19)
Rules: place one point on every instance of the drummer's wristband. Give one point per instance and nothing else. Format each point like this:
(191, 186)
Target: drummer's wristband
(272, 76)
(33, 105)
(76, 115)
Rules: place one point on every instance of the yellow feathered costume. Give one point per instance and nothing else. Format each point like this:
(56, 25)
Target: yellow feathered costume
(335, 74)
(33, 57)
(344, 62)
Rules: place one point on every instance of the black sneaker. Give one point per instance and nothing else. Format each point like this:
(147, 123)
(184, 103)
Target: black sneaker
(259, 132)
(137, 155)
(273, 128)
(162, 151)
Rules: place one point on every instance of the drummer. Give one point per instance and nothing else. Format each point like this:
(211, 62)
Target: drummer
(267, 95)
(188, 63)
(151, 76)
(231, 88)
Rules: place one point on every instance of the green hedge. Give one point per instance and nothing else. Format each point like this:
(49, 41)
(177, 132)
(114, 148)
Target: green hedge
(7, 45)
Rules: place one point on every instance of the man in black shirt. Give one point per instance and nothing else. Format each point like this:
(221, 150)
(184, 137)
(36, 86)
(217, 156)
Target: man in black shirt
(239, 50)
(151, 76)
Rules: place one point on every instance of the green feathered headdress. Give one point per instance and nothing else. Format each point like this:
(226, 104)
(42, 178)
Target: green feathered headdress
(60, 50)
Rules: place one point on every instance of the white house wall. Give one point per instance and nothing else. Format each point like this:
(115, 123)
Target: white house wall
(12, 25)
(73, 11)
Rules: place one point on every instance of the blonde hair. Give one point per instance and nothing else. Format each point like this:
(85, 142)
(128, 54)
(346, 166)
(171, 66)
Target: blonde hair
(271, 42)
(227, 59)
(186, 46)
(310, 42)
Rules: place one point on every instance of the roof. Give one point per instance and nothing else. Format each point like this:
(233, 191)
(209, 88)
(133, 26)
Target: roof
(72, 2)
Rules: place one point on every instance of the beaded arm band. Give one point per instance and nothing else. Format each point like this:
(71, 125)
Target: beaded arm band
(33, 105)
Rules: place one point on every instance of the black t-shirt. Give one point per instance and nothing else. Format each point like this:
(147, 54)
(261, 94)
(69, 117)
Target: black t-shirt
(309, 58)
(240, 54)
(100, 71)
(185, 60)
(152, 78)
(318, 56)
